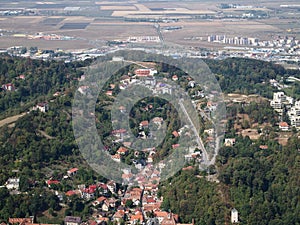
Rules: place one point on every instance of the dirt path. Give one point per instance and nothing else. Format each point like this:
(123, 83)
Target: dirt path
(45, 134)
(11, 119)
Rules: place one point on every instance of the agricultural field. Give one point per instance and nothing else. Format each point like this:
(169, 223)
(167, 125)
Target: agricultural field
(117, 20)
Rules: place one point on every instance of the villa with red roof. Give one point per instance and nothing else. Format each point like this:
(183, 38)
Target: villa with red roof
(72, 172)
(284, 126)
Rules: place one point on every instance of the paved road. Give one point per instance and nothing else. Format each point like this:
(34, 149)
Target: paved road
(205, 158)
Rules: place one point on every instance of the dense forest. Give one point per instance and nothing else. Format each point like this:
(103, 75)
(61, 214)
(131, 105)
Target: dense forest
(248, 76)
(34, 80)
(262, 184)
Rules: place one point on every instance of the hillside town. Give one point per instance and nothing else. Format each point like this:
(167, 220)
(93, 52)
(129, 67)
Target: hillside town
(136, 201)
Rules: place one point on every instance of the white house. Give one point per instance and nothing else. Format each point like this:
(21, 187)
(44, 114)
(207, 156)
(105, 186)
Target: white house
(294, 115)
(13, 183)
(83, 89)
(234, 216)
(229, 141)
(42, 106)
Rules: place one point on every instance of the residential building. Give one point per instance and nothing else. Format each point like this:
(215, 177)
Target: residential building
(234, 216)
(8, 87)
(72, 220)
(13, 183)
(229, 141)
(21, 220)
(283, 126)
(83, 89)
(294, 115)
(42, 106)
(72, 172)
(116, 157)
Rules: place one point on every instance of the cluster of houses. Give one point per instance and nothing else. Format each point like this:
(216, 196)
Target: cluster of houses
(133, 205)
(279, 103)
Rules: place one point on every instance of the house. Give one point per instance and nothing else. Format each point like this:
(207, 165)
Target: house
(105, 206)
(144, 124)
(263, 147)
(284, 126)
(135, 194)
(188, 168)
(158, 121)
(70, 193)
(175, 146)
(88, 193)
(175, 133)
(50, 182)
(56, 94)
(137, 218)
(127, 177)
(12, 183)
(22, 77)
(150, 81)
(8, 87)
(21, 220)
(99, 201)
(211, 106)
(122, 109)
(111, 202)
(234, 216)
(72, 172)
(229, 141)
(174, 77)
(72, 220)
(111, 186)
(162, 88)
(168, 220)
(122, 150)
(24, 221)
(145, 72)
(116, 157)
(125, 79)
(142, 72)
(294, 115)
(209, 131)
(120, 133)
(103, 189)
(127, 144)
(102, 220)
(118, 216)
(83, 89)
(42, 106)
(109, 93)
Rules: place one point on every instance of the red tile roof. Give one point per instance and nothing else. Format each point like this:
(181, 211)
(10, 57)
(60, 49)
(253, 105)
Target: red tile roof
(283, 124)
(122, 150)
(144, 123)
(73, 170)
(49, 182)
(175, 133)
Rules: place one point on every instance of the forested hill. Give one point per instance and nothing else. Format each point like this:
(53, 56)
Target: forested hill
(248, 76)
(34, 80)
(263, 184)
